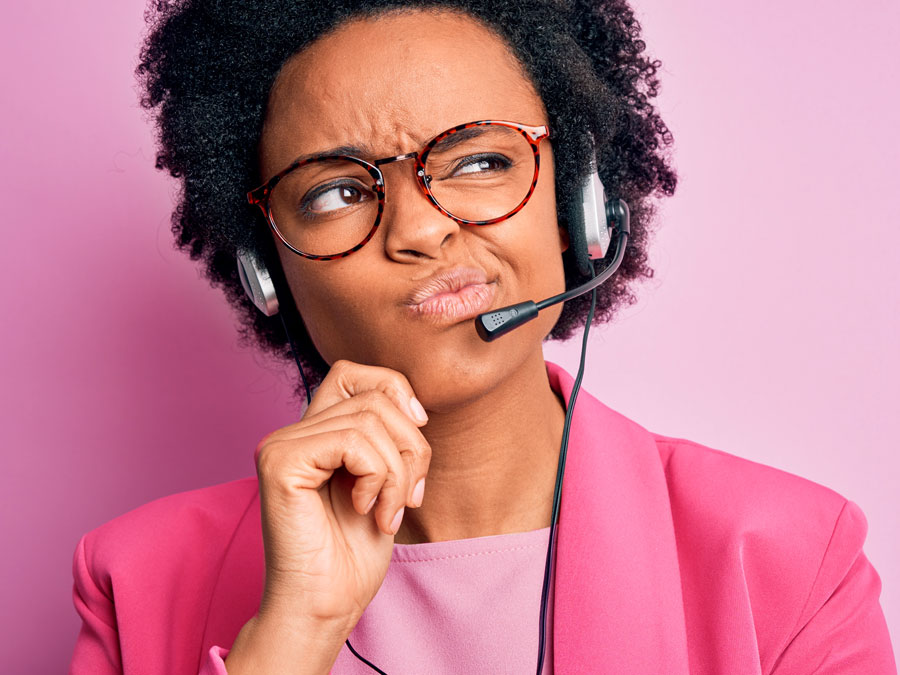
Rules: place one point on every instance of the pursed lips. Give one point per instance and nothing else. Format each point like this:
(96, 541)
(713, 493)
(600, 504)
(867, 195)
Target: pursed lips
(453, 295)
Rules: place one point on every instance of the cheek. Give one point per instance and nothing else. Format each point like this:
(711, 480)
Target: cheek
(553, 238)
(540, 242)
(332, 309)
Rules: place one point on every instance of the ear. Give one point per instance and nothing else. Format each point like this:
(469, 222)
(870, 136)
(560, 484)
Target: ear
(563, 239)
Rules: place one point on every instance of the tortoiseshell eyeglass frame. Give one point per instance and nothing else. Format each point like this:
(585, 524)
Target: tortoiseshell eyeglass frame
(533, 134)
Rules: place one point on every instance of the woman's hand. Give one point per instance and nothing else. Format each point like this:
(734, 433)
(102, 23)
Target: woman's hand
(333, 488)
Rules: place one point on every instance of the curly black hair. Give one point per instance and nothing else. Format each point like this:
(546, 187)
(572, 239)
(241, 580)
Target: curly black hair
(207, 66)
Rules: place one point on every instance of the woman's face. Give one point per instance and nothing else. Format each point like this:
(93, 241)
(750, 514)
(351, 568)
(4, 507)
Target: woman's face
(390, 84)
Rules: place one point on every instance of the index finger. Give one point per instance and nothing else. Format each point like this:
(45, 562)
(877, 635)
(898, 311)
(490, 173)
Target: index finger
(346, 379)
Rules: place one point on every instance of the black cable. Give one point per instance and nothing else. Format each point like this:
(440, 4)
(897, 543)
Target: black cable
(560, 472)
(557, 492)
(364, 660)
(296, 358)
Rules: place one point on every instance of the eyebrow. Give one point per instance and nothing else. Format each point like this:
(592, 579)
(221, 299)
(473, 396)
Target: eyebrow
(354, 150)
(364, 152)
(463, 135)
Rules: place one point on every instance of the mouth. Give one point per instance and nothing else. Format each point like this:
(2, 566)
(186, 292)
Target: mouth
(451, 307)
(452, 296)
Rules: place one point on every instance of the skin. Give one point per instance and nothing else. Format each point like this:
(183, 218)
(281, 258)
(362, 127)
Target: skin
(494, 424)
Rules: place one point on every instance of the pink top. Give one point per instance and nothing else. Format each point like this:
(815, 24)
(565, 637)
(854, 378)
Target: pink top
(466, 606)
(672, 557)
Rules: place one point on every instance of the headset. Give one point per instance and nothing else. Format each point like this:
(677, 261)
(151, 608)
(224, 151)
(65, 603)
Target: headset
(592, 221)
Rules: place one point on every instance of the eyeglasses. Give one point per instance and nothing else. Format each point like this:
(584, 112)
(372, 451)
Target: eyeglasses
(325, 207)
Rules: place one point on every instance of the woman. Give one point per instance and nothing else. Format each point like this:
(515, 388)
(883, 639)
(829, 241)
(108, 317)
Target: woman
(424, 445)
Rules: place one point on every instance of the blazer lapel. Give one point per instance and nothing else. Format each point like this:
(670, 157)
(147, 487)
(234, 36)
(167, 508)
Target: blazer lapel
(617, 600)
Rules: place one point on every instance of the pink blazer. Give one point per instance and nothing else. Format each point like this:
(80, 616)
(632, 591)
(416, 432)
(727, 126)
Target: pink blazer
(672, 558)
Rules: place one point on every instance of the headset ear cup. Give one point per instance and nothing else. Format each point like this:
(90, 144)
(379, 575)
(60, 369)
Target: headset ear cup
(589, 224)
(596, 224)
(577, 239)
(257, 282)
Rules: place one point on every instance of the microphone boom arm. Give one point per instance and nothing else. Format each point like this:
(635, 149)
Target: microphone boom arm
(492, 325)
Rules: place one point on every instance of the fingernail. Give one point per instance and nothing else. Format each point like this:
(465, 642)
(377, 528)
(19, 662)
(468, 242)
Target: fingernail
(371, 504)
(395, 524)
(419, 492)
(417, 410)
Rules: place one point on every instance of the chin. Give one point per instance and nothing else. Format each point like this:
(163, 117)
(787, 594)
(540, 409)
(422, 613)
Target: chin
(446, 379)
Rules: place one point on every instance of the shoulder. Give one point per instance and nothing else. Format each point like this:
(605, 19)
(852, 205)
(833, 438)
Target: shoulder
(175, 531)
(726, 494)
(149, 576)
(781, 551)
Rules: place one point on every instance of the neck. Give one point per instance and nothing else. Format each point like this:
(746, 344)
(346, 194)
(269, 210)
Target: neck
(493, 463)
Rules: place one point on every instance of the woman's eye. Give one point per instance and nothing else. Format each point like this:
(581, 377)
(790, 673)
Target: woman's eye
(482, 164)
(334, 198)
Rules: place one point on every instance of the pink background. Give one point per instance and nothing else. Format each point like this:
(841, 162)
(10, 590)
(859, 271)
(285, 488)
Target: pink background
(770, 331)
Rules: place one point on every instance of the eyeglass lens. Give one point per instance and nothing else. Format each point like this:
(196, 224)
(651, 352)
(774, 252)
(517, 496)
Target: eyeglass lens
(330, 205)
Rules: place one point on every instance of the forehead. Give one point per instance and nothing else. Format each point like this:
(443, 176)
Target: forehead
(392, 82)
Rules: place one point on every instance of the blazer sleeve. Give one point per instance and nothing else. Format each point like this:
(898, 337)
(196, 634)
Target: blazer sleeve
(97, 647)
(842, 628)
(214, 661)
(97, 650)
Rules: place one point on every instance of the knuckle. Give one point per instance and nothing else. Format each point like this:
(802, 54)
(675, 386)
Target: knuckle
(402, 393)
(398, 379)
(402, 476)
(339, 372)
(265, 443)
(269, 462)
(373, 400)
(265, 450)
(352, 437)
(396, 481)
(341, 365)
(366, 419)
(267, 437)
(378, 471)
(418, 449)
(399, 390)
(381, 472)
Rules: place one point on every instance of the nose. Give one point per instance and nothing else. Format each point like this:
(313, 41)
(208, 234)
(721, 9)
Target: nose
(413, 228)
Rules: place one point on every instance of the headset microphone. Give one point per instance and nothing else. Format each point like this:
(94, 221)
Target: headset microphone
(492, 325)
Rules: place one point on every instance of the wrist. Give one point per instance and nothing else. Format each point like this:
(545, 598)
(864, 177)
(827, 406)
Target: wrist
(273, 646)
